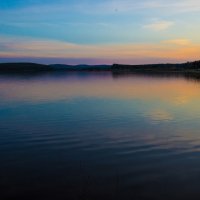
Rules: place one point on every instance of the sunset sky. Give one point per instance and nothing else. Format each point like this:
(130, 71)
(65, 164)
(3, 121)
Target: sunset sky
(99, 31)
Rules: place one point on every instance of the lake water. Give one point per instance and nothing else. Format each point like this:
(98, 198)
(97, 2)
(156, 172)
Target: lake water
(99, 136)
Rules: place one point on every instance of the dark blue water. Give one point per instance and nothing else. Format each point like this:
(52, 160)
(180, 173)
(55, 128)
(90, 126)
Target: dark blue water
(98, 136)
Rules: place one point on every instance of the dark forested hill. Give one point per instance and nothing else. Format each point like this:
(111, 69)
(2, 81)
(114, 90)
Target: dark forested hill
(189, 66)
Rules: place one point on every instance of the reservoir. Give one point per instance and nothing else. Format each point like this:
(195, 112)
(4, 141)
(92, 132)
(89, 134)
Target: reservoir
(88, 135)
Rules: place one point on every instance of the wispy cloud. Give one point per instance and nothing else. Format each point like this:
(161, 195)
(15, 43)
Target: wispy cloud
(182, 42)
(159, 25)
(26, 47)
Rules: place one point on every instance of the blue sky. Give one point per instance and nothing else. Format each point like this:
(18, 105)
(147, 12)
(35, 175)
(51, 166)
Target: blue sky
(101, 31)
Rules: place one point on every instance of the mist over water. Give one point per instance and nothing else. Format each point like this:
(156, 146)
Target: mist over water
(99, 136)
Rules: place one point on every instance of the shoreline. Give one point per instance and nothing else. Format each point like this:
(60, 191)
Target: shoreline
(189, 67)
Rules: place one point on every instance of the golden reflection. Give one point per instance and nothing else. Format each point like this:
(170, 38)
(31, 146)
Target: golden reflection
(181, 100)
(176, 91)
(160, 115)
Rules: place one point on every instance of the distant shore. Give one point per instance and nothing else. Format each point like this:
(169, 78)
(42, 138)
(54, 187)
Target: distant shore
(191, 67)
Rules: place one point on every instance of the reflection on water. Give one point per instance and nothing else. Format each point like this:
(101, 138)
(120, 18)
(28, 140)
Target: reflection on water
(99, 136)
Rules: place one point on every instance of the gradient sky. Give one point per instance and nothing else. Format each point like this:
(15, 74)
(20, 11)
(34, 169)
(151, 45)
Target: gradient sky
(99, 31)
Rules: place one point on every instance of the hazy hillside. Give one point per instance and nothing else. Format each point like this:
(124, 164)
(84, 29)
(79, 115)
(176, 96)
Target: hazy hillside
(81, 67)
(33, 67)
(23, 67)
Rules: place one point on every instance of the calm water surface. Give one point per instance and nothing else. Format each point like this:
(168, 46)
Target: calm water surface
(95, 136)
